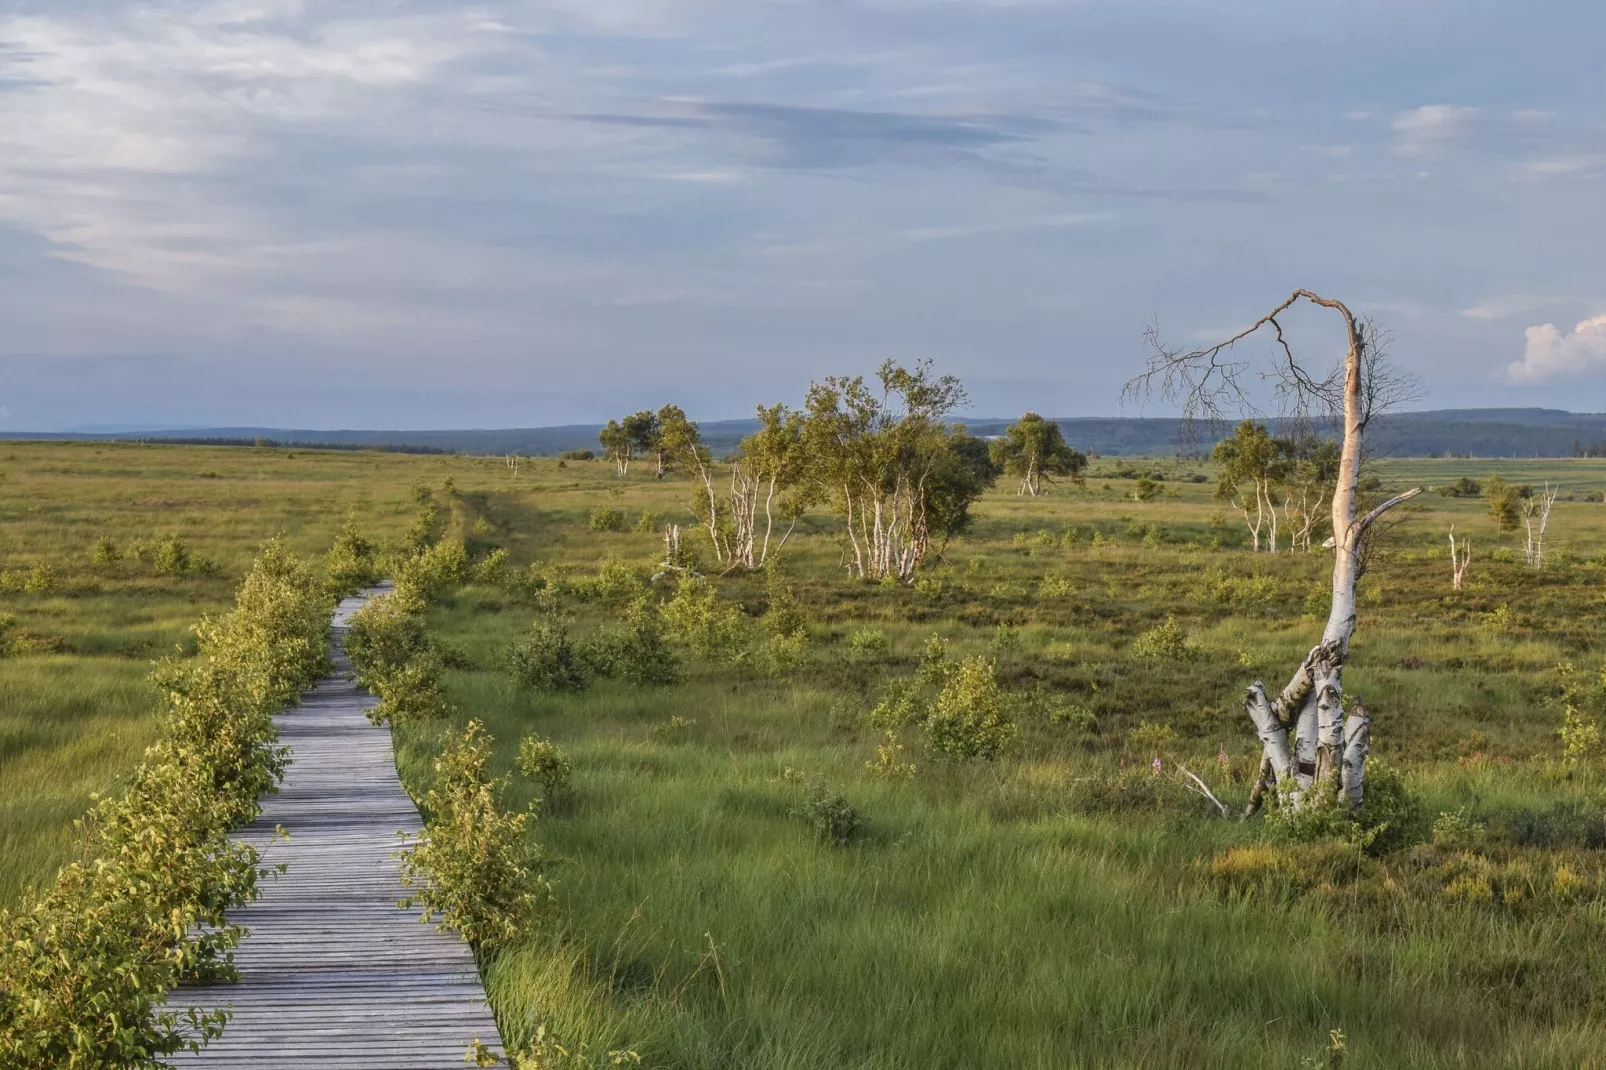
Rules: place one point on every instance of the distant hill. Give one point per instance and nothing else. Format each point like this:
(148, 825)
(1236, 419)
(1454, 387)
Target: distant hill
(1468, 432)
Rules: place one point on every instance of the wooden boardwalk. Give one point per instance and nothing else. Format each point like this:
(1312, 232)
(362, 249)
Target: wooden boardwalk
(333, 975)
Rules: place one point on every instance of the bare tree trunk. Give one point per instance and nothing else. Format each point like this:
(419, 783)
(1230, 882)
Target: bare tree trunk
(1534, 548)
(1460, 558)
(1326, 754)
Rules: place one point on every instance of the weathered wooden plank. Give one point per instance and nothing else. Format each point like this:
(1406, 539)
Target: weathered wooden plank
(333, 973)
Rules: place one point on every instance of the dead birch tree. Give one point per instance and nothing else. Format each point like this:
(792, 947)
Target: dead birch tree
(1326, 754)
(1460, 558)
(1537, 509)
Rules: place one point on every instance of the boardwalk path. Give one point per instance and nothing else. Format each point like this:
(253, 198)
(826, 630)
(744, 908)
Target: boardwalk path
(333, 975)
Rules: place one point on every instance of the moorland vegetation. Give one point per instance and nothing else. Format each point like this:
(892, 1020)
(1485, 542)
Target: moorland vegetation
(944, 788)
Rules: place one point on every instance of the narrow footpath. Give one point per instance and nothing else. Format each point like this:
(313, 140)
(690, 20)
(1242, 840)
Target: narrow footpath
(333, 975)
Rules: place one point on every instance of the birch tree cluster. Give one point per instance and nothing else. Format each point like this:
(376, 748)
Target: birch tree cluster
(1278, 485)
(880, 453)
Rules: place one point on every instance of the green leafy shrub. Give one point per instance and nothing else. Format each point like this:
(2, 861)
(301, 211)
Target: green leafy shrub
(649, 522)
(171, 557)
(352, 561)
(675, 730)
(546, 660)
(384, 635)
(84, 973)
(869, 643)
(544, 761)
(712, 629)
(472, 866)
(970, 720)
(643, 655)
(577, 455)
(492, 570)
(829, 814)
(427, 574)
(104, 553)
(889, 763)
(411, 693)
(1165, 642)
(608, 518)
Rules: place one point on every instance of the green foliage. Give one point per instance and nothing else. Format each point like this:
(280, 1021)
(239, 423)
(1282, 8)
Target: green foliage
(544, 761)
(970, 720)
(1151, 739)
(428, 573)
(473, 866)
(714, 630)
(411, 693)
(352, 562)
(393, 659)
(889, 763)
(609, 518)
(869, 643)
(104, 553)
(1504, 503)
(1033, 450)
(546, 660)
(1165, 642)
(384, 635)
(171, 556)
(643, 656)
(85, 973)
(675, 730)
(578, 455)
(834, 820)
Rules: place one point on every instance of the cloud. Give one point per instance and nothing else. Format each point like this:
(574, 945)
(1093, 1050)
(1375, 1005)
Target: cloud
(1422, 131)
(1549, 354)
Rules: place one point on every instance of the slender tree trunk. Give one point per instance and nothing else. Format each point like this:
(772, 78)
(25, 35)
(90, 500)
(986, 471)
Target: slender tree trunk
(1328, 751)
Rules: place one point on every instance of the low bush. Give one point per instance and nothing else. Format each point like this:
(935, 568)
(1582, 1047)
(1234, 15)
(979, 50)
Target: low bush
(352, 562)
(547, 763)
(546, 660)
(85, 973)
(472, 866)
(712, 629)
(869, 643)
(608, 518)
(1165, 642)
(829, 814)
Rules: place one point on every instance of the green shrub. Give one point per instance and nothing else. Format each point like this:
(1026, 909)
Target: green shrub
(546, 660)
(472, 866)
(544, 761)
(104, 553)
(829, 814)
(427, 574)
(675, 730)
(352, 561)
(969, 720)
(171, 557)
(384, 635)
(608, 518)
(84, 974)
(1165, 642)
(869, 643)
(649, 522)
(784, 618)
(411, 693)
(644, 656)
(492, 570)
(577, 455)
(712, 629)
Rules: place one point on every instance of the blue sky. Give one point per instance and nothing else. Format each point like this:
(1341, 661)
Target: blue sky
(390, 213)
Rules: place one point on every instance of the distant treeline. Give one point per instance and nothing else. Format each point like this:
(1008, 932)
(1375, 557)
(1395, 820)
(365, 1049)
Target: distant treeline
(1441, 433)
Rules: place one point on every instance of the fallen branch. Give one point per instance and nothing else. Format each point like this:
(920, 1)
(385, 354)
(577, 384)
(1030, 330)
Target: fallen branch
(1198, 787)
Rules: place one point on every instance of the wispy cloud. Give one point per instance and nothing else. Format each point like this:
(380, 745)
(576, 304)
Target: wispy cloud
(1427, 129)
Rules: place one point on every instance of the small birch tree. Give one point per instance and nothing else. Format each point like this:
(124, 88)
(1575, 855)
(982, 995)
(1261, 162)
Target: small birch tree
(1034, 450)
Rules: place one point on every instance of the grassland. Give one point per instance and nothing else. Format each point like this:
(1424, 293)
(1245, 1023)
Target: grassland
(1064, 905)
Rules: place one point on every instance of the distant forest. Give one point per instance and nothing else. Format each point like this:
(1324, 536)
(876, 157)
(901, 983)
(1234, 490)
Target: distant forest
(1440, 433)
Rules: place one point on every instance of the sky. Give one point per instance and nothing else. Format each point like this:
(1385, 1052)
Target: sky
(409, 214)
